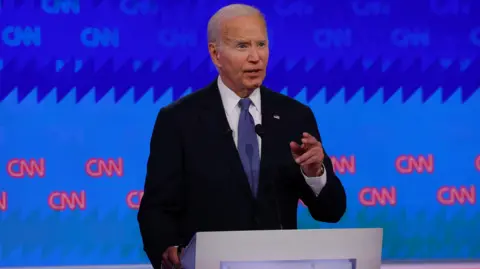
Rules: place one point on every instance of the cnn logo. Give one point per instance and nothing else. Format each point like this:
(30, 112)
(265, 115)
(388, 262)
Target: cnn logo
(21, 168)
(378, 196)
(344, 164)
(408, 164)
(3, 201)
(134, 198)
(452, 195)
(99, 167)
(477, 163)
(61, 200)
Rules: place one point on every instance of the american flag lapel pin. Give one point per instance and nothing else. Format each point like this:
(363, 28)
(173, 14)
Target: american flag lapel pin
(276, 117)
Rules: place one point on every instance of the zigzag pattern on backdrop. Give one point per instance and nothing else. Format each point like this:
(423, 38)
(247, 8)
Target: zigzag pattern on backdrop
(55, 239)
(364, 76)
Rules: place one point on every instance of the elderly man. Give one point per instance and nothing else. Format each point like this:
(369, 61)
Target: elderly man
(234, 155)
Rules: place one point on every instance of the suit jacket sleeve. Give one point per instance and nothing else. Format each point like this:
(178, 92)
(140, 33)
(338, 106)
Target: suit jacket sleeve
(162, 204)
(331, 203)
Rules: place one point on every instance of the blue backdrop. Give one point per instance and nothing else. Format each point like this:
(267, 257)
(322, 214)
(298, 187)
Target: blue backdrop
(393, 84)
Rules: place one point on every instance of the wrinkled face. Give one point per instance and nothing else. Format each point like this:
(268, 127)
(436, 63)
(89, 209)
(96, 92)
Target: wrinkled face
(241, 56)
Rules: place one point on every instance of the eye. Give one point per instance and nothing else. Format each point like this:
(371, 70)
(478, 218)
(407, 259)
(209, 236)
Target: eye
(262, 44)
(242, 45)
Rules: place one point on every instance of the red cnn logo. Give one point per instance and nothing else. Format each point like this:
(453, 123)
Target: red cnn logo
(20, 168)
(374, 196)
(98, 167)
(344, 164)
(3, 201)
(407, 164)
(477, 163)
(61, 200)
(452, 195)
(134, 198)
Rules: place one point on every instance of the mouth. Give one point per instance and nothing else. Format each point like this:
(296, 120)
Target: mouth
(253, 71)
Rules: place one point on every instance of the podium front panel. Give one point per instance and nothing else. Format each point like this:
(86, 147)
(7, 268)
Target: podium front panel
(305, 264)
(256, 247)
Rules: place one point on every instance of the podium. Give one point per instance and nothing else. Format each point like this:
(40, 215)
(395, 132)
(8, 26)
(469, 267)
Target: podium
(285, 249)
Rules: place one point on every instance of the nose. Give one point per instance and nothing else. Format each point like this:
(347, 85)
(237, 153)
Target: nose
(253, 55)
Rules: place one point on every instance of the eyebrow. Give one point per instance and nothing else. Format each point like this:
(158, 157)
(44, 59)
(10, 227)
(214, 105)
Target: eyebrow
(246, 41)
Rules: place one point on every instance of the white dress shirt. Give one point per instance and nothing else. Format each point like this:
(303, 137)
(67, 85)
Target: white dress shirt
(232, 110)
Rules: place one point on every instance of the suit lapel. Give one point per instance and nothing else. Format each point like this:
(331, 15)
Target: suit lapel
(216, 123)
(269, 123)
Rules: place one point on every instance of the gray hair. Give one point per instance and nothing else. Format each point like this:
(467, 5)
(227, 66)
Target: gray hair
(225, 13)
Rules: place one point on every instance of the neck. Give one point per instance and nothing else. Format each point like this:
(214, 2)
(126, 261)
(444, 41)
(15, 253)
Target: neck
(240, 91)
(243, 93)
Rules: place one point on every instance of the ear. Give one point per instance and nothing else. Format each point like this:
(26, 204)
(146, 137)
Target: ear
(214, 55)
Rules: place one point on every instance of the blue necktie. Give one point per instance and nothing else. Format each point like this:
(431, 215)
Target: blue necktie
(248, 145)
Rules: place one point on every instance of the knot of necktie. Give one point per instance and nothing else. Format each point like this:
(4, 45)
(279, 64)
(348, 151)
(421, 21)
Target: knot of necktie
(244, 103)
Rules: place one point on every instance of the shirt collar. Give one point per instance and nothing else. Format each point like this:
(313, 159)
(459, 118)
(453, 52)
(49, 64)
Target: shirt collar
(230, 99)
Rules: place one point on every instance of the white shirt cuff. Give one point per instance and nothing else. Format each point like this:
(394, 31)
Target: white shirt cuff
(316, 183)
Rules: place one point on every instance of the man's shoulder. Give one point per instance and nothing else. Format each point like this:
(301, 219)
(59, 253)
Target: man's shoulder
(285, 102)
(188, 102)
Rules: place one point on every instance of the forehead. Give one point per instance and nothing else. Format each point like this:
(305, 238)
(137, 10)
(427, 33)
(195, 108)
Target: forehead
(245, 27)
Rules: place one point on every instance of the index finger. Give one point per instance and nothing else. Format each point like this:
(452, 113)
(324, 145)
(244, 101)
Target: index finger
(307, 135)
(309, 139)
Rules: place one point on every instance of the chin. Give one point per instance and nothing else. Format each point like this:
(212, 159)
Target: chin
(253, 84)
